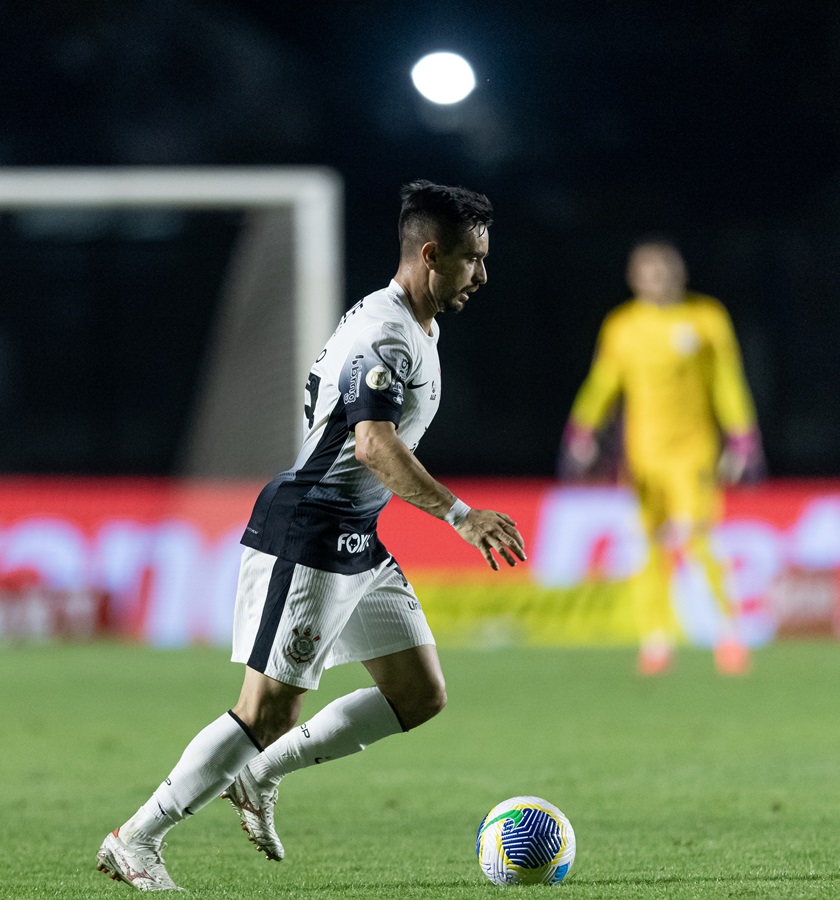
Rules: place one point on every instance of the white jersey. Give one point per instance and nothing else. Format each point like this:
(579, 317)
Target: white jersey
(378, 365)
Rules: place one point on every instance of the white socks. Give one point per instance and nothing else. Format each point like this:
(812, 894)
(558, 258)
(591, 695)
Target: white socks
(218, 753)
(208, 765)
(345, 726)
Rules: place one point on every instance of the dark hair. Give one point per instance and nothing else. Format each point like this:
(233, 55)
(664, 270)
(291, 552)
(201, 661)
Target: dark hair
(443, 212)
(656, 239)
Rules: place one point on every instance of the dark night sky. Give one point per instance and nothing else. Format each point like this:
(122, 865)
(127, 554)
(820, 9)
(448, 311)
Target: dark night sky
(593, 123)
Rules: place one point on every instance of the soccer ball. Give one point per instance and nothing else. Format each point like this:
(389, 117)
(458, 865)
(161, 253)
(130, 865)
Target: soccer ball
(525, 840)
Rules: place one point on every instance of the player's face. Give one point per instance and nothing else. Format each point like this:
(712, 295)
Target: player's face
(460, 271)
(656, 273)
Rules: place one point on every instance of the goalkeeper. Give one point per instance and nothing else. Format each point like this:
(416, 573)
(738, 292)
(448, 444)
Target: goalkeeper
(689, 424)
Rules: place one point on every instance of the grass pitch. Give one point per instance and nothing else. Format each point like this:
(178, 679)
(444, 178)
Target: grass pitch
(685, 786)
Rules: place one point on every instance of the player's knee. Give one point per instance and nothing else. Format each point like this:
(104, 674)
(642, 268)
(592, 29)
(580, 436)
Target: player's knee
(269, 717)
(273, 724)
(422, 704)
(434, 699)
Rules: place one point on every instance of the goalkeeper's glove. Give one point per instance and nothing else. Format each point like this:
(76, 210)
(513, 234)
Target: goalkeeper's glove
(578, 452)
(742, 460)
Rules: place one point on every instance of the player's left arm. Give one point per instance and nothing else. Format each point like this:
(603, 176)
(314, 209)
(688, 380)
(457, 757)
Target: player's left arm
(743, 457)
(380, 449)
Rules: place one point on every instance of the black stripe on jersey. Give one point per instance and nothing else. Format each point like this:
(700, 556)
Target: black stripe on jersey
(393, 564)
(332, 440)
(267, 530)
(275, 603)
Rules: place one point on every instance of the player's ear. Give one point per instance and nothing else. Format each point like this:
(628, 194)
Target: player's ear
(430, 253)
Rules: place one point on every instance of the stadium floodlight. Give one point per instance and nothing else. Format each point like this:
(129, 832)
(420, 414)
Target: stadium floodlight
(281, 297)
(443, 77)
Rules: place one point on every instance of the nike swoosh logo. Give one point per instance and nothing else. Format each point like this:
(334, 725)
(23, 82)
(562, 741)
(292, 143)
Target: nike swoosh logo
(413, 387)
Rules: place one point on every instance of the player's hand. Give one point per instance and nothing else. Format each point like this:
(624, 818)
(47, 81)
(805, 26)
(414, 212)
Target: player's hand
(491, 531)
(578, 453)
(742, 460)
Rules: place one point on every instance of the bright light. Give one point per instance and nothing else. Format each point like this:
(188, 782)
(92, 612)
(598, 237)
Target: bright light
(443, 77)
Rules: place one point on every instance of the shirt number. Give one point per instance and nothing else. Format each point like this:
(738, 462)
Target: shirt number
(313, 385)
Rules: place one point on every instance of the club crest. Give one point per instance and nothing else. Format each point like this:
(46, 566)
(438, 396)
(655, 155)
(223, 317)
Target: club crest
(302, 648)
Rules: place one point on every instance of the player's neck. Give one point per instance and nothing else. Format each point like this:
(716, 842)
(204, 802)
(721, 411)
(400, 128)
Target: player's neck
(419, 301)
(662, 300)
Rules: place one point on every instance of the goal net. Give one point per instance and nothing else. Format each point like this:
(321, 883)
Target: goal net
(230, 275)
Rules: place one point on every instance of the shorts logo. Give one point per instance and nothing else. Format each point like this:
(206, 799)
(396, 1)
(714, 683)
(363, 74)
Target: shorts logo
(354, 543)
(302, 646)
(378, 378)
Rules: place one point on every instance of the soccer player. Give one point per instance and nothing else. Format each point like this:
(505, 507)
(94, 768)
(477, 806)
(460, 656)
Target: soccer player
(317, 587)
(673, 358)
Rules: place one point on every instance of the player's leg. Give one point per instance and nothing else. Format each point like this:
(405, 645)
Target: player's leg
(412, 682)
(290, 642)
(702, 506)
(132, 852)
(270, 708)
(219, 751)
(409, 690)
(267, 707)
(651, 586)
(389, 634)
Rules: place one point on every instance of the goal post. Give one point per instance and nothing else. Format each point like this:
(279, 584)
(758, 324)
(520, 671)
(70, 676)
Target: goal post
(280, 299)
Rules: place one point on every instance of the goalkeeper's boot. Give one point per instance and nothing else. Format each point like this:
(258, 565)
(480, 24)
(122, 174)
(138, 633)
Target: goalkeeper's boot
(254, 805)
(656, 656)
(136, 862)
(732, 658)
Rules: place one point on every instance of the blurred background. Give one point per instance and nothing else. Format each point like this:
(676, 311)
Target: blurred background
(590, 125)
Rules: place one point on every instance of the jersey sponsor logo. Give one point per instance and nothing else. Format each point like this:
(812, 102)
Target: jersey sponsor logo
(353, 542)
(378, 378)
(399, 393)
(302, 647)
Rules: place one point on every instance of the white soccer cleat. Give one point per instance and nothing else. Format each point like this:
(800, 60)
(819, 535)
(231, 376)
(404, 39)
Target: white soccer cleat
(137, 863)
(255, 807)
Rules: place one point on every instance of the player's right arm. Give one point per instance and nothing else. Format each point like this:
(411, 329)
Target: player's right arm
(380, 450)
(592, 406)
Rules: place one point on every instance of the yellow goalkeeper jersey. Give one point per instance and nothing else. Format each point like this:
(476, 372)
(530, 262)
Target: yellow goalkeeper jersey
(678, 369)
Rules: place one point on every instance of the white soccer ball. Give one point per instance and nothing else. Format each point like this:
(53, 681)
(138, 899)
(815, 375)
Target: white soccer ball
(525, 840)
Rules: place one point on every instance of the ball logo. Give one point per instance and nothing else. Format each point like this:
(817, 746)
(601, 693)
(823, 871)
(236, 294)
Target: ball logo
(353, 543)
(378, 378)
(302, 647)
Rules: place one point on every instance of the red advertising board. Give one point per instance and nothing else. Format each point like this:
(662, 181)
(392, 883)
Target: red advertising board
(165, 555)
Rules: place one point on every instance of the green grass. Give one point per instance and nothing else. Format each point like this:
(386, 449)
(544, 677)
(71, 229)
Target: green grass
(686, 786)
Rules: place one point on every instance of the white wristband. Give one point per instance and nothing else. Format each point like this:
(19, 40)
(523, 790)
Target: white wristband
(457, 513)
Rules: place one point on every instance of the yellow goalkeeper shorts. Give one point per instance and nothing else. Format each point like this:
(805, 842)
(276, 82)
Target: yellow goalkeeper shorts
(678, 492)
